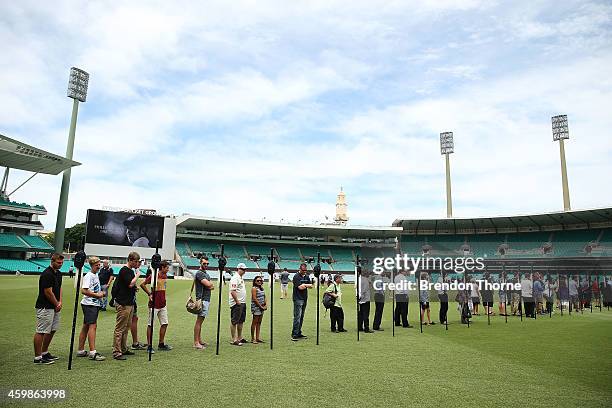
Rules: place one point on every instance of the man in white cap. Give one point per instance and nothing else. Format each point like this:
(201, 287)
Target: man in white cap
(237, 299)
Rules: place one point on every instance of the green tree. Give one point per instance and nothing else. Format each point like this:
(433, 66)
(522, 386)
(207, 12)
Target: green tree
(74, 236)
(50, 238)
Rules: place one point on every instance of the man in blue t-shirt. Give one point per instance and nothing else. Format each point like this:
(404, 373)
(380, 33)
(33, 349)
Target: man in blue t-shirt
(203, 285)
(301, 284)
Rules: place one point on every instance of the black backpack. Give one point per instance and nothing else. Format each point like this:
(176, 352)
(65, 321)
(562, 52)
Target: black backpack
(328, 299)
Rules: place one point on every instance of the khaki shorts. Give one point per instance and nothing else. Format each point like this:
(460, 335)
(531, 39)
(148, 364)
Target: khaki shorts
(161, 314)
(47, 321)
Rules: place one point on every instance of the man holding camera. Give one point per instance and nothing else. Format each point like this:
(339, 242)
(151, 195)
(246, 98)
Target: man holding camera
(124, 295)
(301, 284)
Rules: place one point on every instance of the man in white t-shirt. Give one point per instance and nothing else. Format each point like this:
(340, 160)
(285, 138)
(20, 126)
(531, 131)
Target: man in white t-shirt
(237, 299)
(91, 304)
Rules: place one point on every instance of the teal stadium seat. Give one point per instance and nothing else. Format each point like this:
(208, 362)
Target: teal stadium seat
(288, 253)
(11, 240)
(344, 266)
(482, 245)
(342, 254)
(37, 243)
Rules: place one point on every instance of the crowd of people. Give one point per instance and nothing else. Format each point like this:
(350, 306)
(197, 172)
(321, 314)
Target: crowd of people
(538, 294)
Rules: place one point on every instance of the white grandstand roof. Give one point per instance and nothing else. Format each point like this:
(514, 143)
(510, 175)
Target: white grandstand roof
(526, 222)
(17, 155)
(211, 224)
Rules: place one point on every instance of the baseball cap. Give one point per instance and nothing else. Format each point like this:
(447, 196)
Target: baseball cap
(241, 266)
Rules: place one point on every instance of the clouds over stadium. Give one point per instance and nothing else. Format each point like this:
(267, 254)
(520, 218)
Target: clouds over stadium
(263, 109)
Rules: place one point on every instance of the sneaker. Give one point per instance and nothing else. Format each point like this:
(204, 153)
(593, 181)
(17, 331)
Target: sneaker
(97, 357)
(164, 347)
(235, 343)
(46, 358)
(139, 346)
(301, 336)
(130, 353)
(42, 361)
(342, 331)
(50, 356)
(82, 353)
(294, 338)
(120, 357)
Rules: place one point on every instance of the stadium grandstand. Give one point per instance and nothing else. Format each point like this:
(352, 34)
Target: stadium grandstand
(251, 242)
(559, 242)
(22, 249)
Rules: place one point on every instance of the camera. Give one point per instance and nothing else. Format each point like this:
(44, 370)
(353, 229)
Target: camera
(156, 261)
(79, 259)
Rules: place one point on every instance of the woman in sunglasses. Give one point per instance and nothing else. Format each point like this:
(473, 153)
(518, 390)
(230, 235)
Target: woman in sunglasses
(258, 305)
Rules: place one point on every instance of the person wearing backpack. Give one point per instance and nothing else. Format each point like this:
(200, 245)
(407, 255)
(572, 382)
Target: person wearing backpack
(336, 314)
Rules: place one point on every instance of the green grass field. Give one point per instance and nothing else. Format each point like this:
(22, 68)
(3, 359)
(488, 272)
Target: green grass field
(563, 361)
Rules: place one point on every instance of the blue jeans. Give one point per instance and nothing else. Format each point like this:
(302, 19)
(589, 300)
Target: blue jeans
(105, 298)
(299, 307)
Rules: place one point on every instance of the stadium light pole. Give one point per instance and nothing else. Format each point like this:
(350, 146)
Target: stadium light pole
(447, 147)
(560, 132)
(77, 90)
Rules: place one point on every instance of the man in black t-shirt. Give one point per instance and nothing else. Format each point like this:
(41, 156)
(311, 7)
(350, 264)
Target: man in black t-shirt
(48, 307)
(124, 292)
(301, 284)
(106, 280)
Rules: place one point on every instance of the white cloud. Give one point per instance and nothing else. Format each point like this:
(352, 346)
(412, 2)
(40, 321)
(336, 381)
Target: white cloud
(252, 110)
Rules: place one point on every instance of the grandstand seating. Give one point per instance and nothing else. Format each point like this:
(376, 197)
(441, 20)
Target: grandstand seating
(482, 245)
(234, 251)
(37, 243)
(527, 241)
(342, 254)
(288, 252)
(261, 250)
(308, 251)
(344, 266)
(14, 265)
(290, 265)
(573, 243)
(33, 265)
(446, 244)
(25, 243)
(11, 240)
(20, 205)
(204, 246)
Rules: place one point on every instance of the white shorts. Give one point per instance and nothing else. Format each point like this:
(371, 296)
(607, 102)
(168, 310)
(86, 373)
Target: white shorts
(47, 321)
(284, 286)
(162, 315)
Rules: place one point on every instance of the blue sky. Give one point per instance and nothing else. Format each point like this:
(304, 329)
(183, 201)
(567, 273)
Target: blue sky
(264, 109)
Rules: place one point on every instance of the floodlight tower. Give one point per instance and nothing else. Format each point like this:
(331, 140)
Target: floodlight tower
(560, 132)
(447, 147)
(77, 90)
